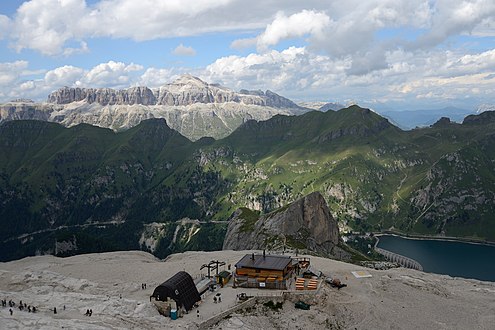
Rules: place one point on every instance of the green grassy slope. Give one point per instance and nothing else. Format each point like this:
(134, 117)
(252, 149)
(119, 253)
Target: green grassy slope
(107, 185)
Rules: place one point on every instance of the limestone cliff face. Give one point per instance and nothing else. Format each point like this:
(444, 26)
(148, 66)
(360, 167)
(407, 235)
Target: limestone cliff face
(103, 96)
(304, 224)
(24, 110)
(184, 91)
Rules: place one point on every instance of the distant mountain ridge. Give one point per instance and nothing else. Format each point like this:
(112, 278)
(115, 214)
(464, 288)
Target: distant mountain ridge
(189, 105)
(184, 91)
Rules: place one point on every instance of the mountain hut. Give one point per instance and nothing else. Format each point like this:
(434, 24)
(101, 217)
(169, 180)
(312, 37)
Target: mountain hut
(263, 271)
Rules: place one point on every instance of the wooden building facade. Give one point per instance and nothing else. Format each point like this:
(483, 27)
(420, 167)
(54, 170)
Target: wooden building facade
(263, 271)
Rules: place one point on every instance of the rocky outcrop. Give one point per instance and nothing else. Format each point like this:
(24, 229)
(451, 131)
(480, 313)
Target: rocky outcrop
(482, 118)
(277, 101)
(21, 110)
(103, 96)
(442, 122)
(304, 224)
(184, 91)
(187, 90)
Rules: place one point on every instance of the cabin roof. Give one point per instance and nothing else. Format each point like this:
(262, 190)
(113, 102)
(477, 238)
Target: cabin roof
(263, 262)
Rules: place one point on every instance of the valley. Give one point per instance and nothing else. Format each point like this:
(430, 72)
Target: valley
(91, 189)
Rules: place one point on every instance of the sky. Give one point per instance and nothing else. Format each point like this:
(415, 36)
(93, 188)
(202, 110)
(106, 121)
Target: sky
(385, 54)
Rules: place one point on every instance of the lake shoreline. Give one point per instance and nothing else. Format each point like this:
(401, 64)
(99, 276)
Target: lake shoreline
(434, 238)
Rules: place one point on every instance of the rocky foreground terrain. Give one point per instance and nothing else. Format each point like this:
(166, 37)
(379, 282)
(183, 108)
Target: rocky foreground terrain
(110, 284)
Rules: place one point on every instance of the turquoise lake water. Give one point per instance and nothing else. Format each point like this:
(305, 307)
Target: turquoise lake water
(445, 257)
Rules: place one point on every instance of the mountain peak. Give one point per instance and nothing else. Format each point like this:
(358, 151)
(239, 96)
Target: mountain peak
(442, 122)
(188, 79)
(307, 221)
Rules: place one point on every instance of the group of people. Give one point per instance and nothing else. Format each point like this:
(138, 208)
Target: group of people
(143, 286)
(22, 306)
(89, 312)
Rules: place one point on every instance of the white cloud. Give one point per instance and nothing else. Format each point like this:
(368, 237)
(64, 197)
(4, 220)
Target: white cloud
(450, 18)
(353, 25)
(66, 75)
(289, 70)
(481, 61)
(296, 25)
(347, 29)
(339, 28)
(151, 19)
(154, 77)
(182, 50)
(243, 43)
(11, 71)
(4, 26)
(46, 25)
(27, 86)
(408, 76)
(83, 48)
(467, 86)
(111, 74)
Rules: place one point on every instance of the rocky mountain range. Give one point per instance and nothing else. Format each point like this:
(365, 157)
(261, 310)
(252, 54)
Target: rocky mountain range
(184, 91)
(189, 105)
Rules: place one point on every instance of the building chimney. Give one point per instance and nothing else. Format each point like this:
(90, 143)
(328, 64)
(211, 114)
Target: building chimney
(263, 253)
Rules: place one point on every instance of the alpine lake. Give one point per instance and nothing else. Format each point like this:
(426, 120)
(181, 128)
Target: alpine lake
(454, 258)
